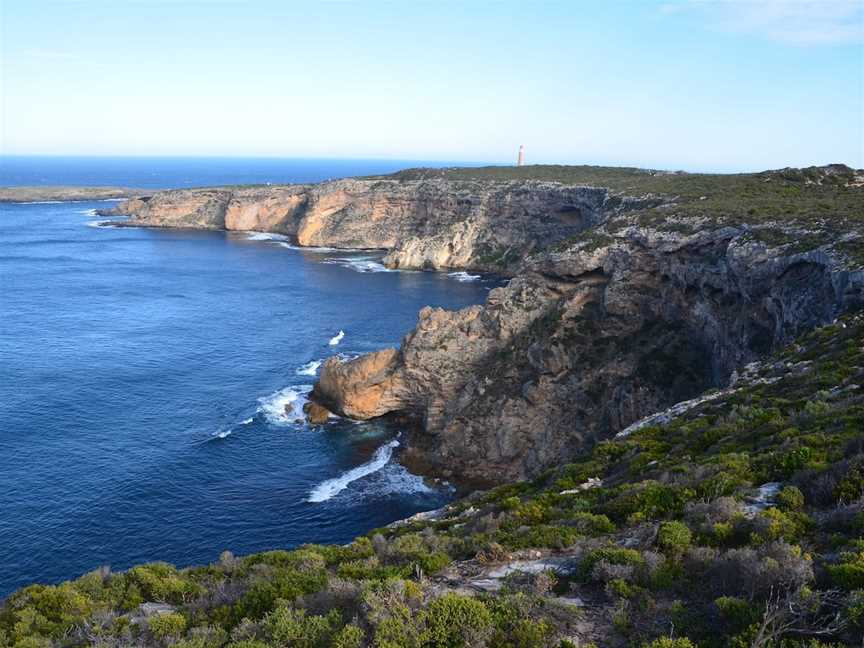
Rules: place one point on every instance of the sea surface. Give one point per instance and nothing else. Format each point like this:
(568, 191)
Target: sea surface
(181, 172)
(152, 383)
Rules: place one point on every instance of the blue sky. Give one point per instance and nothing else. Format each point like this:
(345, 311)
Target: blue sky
(675, 84)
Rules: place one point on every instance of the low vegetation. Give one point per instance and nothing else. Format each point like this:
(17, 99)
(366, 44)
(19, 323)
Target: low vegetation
(739, 523)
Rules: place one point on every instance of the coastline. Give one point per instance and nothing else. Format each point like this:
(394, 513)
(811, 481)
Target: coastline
(32, 194)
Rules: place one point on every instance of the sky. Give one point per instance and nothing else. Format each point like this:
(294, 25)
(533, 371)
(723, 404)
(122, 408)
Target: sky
(677, 84)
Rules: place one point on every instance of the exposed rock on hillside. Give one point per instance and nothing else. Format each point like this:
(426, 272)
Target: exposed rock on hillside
(424, 224)
(630, 296)
(587, 340)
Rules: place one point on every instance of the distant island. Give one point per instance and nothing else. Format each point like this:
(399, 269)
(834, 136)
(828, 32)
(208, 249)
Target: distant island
(59, 193)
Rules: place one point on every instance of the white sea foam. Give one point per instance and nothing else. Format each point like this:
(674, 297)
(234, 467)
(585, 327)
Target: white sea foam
(222, 434)
(463, 276)
(395, 479)
(303, 248)
(336, 339)
(309, 369)
(102, 223)
(332, 487)
(285, 406)
(360, 264)
(247, 421)
(88, 212)
(265, 236)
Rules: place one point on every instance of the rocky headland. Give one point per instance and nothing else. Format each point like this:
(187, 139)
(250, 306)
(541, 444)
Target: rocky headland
(423, 224)
(632, 290)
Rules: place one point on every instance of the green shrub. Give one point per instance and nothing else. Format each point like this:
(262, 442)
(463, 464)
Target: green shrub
(350, 636)
(790, 498)
(529, 633)
(849, 574)
(668, 642)
(591, 524)
(163, 626)
(851, 486)
(160, 581)
(674, 537)
(613, 555)
(737, 613)
(293, 627)
(454, 621)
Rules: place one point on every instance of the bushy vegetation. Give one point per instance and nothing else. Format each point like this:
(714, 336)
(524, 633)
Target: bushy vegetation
(671, 548)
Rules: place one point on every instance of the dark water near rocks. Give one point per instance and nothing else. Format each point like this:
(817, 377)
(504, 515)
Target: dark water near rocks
(143, 382)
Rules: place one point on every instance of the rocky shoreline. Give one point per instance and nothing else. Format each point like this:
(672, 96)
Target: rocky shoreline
(434, 224)
(625, 299)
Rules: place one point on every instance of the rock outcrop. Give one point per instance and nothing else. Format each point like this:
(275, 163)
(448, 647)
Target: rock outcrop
(625, 300)
(586, 341)
(433, 224)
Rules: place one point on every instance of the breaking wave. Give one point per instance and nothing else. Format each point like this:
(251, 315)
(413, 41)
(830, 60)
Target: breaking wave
(332, 487)
(223, 434)
(336, 339)
(304, 248)
(360, 264)
(285, 406)
(103, 223)
(265, 236)
(463, 276)
(309, 369)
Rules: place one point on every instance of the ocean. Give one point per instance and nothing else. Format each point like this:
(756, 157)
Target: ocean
(146, 374)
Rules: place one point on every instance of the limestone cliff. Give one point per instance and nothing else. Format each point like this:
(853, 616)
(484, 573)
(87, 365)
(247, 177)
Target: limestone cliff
(433, 224)
(633, 290)
(625, 321)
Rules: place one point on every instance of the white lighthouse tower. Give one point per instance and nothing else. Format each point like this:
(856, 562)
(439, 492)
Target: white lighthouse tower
(520, 160)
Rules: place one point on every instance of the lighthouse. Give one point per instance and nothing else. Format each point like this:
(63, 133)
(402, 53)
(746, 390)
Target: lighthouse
(520, 160)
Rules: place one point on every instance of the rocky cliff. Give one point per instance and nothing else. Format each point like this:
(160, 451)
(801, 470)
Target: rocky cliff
(633, 290)
(424, 224)
(651, 307)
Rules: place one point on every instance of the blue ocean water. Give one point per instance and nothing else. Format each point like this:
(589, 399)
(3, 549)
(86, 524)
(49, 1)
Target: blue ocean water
(144, 378)
(179, 172)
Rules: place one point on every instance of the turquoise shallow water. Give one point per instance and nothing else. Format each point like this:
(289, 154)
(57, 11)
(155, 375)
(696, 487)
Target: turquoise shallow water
(145, 376)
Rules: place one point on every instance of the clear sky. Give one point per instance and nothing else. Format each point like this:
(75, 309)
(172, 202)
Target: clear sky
(726, 85)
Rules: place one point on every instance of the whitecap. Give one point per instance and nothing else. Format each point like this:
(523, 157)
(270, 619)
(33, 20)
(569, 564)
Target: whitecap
(360, 264)
(332, 487)
(102, 223)
(265, 236)
(395, 479)
(303, 248)
(309, 369)
(222, 434)
(247, 421)
(285, 406)
(463, 276)
(336, 339)
(88, 212)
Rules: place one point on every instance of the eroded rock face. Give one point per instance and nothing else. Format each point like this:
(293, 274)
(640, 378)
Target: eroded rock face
(363, 388)
(588, 340)
(432, 224)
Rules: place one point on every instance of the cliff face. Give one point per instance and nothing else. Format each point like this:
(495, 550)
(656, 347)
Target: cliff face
(587, 340)
(432, 224)
(626, 299)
